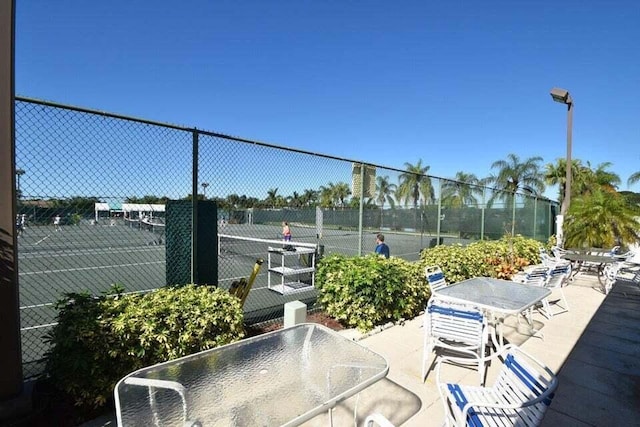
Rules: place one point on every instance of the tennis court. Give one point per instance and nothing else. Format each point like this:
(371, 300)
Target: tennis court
(93, 257)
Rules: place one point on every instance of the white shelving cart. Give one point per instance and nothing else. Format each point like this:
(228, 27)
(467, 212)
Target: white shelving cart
(289, 269)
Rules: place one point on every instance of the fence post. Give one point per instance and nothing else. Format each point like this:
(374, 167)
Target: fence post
(361, 213)
(10, 352)
(513, 216)
(194, 209)
(535, 216)
(484, 207)
(439, 211)
(551, 230)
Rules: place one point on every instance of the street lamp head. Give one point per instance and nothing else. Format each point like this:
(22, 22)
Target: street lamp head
(561, 95)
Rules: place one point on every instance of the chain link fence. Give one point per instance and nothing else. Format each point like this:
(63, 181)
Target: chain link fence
(92, 189)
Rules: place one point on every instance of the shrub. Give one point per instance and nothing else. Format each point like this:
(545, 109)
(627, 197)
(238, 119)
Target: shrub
(367, 291)
(457, 262)
(98, 340)
(495, 258)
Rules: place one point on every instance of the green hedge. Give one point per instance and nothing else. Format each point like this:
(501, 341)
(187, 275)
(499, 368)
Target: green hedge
(495, 258)
(367, 291)
(98, 340)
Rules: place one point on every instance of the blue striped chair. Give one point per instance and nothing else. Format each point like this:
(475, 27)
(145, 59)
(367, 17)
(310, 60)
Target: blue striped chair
(435, 277)
(520, 395)
(454, 328)
(534, 275)
(558, 277)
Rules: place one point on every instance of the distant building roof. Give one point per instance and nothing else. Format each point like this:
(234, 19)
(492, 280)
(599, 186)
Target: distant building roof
(129, 207)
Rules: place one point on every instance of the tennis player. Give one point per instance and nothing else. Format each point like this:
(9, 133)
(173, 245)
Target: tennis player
(286, 231)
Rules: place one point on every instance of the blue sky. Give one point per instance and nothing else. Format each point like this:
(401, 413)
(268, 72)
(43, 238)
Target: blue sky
(457, 84)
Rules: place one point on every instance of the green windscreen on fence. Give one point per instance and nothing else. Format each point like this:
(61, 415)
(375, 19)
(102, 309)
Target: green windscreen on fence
(179, 243)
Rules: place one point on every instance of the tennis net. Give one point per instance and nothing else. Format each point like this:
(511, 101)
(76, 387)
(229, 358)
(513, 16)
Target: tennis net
(253, 248)
(155, 228)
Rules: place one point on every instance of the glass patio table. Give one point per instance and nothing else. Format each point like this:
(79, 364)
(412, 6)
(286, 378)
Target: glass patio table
(586, 259)
(498, 298)
(284, 378)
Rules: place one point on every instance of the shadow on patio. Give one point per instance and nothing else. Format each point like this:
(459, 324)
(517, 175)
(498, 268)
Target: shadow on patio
(599, 384)
(594, 348)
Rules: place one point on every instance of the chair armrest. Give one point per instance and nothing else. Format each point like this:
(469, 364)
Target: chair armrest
(545, 395)
(505, 350)
(510, 348)
(377, 419)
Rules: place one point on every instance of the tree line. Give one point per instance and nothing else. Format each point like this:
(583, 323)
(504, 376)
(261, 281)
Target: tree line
(600, 215)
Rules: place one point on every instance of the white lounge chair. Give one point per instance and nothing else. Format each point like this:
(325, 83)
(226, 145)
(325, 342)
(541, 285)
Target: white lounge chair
(520, 395)
(554, 259)
(557, 252)
(456, 328)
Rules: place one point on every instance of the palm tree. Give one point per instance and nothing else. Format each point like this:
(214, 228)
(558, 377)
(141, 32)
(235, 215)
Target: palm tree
(341, 191)
(385, 191)
(555, 174)
(326, 195)
(515, 176)
(233, 200)
(608, 181)
(309, 197)
(586, 179)
(601, 219)
(462, 191)
(272, 198)
(635, 177)
(414, 184)
(295, 200)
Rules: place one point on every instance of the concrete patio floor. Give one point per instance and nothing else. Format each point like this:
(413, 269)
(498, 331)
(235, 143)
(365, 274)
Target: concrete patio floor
(594, 348)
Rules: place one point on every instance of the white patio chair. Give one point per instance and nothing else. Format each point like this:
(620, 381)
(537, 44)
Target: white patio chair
(610, 274)
(520, 395)
(546, 257)
(534, 275)
(558, 277)
(457, 328)
(553, 259)
(557, 252)
(435, 277)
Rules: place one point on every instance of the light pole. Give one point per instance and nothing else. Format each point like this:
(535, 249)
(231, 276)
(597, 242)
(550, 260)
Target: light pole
(204, 189)
(563, 96)
(19, 173)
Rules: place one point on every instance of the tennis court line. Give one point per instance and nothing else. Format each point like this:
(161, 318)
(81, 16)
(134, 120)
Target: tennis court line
(42, 240)
(76, 252)
(102, 267)
(29, 328)
(46, 304)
